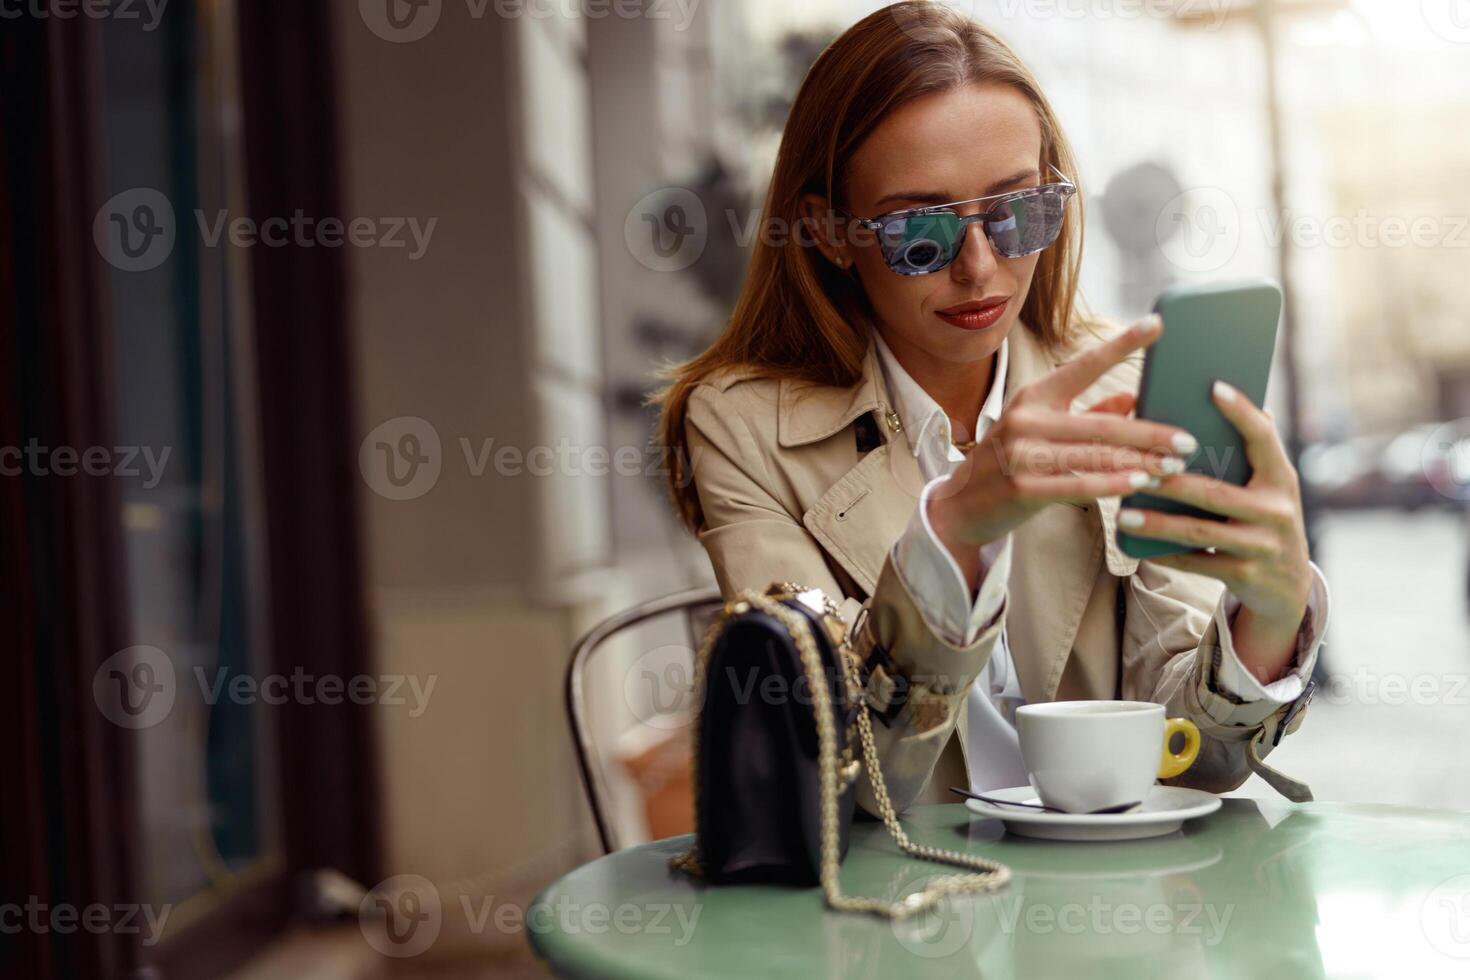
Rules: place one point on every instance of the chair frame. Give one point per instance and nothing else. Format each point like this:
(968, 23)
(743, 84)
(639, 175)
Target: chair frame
(593, 778)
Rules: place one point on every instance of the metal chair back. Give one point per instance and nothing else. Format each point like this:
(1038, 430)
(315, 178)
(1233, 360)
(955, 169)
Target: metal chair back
(698, 608)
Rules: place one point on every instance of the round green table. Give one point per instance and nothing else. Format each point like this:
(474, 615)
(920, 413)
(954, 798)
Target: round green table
(1260, 889)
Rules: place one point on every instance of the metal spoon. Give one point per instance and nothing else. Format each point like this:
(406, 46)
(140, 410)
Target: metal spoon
(1116, 808)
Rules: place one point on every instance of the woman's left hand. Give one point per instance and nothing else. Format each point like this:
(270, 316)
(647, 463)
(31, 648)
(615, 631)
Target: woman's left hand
(1261, 551)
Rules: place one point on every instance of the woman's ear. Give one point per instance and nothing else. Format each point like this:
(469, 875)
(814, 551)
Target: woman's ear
(823, 226)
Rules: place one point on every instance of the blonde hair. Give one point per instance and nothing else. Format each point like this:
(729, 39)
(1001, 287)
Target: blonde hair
(800, 318)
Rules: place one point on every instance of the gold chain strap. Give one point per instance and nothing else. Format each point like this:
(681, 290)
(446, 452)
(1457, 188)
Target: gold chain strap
(833, 782)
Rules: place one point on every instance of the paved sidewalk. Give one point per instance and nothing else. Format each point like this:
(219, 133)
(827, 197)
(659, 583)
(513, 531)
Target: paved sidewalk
(1393, 724)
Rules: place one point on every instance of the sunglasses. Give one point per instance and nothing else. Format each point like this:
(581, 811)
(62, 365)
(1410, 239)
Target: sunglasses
(918, 241)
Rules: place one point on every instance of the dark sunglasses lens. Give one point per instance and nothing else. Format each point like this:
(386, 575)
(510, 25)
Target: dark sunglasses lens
(920, 244)
(1028, 224)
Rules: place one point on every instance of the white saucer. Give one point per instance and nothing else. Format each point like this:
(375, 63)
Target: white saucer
(1162, 812)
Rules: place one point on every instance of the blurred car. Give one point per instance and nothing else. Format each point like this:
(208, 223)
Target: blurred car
(1426, 465)
(1345, 474)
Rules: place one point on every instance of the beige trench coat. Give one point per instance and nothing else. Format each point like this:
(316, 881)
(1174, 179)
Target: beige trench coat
(787, 495)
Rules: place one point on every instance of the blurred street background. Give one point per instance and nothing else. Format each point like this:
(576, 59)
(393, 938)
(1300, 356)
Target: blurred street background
(327, 330)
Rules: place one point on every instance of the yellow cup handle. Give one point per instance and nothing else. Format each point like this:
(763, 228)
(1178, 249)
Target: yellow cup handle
(1173, 763)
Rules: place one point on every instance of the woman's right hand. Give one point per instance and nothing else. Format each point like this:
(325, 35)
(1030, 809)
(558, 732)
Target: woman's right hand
(1039, 453)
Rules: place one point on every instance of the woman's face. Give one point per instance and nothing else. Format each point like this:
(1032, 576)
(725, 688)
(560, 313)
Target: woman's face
(953, 146)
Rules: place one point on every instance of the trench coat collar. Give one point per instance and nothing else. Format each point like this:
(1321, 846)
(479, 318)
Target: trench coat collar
(810, 413)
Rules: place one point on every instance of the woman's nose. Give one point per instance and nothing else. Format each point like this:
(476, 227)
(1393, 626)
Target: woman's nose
(976, 261)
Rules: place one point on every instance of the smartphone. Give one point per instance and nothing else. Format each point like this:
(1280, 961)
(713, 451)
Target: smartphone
(1224, 331)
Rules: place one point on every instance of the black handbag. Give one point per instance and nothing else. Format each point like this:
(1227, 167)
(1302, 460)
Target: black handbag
(780, 715)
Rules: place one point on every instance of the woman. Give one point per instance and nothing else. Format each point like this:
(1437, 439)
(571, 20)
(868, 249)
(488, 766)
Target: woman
(909, 413)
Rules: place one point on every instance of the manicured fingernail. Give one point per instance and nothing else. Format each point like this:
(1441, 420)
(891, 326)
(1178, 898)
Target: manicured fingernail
(1185, 443)
(1150, 324)
(1140, 480)
(1172, 464)
(1130, 518)
(1224, 392)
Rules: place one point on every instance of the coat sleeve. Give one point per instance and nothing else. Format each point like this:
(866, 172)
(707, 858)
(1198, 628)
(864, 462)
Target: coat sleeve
(752, 541)
(1172, 649)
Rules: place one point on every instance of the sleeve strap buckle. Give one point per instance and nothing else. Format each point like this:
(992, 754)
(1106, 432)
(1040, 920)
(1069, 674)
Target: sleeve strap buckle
(886, 687)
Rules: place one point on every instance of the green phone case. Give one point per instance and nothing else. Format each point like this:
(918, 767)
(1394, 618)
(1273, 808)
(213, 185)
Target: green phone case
(1221, 331)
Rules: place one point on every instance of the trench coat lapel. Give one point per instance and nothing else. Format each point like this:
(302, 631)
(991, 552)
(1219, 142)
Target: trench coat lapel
(861, 515)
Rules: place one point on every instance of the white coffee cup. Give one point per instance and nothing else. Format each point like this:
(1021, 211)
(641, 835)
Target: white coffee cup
(1086, 755)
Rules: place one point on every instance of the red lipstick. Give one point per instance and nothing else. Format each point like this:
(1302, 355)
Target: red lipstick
(976, 314)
